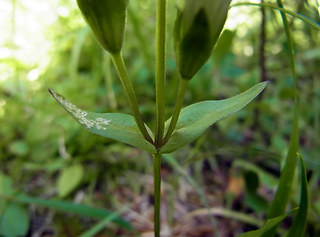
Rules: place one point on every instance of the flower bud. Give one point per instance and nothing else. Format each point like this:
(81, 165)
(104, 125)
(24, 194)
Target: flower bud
(197, 29)
(107, 19)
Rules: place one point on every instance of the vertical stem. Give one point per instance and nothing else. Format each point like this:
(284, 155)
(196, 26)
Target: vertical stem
(157, 192)
(160, 70)
(126, 83)
(286, 180)
(291, 48)
(177, 108)
(262, 65)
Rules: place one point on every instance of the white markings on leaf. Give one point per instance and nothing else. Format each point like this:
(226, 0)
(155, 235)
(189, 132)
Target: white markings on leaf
(80, 115)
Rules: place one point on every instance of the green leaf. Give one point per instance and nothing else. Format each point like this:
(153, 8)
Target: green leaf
(14, 221)
(265, 177)
(100, 226)
(254, 200)
(80, 209)
(120, 127)
(19, 148)
(6, 188)
(299, 224)
(69, 179)
(283, 193)
(283, 10)
(196, 118)
(270, 224)
(223, 46)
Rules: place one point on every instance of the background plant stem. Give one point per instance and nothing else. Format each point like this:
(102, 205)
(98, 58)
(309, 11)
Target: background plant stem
(157, 192)
(177, 108)
(160, 70)
(282, 10)
(282, 195)
(126, 83)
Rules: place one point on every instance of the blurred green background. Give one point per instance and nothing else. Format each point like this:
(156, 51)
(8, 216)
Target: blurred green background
(46, 154)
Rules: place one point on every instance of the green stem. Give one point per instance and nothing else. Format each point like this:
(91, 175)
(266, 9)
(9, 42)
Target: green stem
(177, 108)
(157, 192)
(282, 195)
(291, 48)
(126, 83)
(160, 70)
(283, 10)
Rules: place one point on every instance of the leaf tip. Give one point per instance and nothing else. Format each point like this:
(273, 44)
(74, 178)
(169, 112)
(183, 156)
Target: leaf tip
(50, 91)
(54, 95)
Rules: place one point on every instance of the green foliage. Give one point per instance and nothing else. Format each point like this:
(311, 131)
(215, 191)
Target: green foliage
(14, 220)
(98, 227)
(196, 118)
(38, 141)
(69, 179)
(299, 224)
(71, 207)
(254, 200)
(270, 224)
(120, 127)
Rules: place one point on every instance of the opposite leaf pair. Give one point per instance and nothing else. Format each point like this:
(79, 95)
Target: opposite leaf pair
(193, 120)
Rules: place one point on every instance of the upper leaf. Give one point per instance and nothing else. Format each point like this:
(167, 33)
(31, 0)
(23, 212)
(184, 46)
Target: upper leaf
(120, 127)
(196, 118)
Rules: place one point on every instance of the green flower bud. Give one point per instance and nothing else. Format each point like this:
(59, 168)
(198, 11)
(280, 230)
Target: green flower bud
(107, 19)
(197, 29)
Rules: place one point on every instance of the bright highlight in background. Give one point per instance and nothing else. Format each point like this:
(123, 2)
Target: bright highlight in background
(23, 28)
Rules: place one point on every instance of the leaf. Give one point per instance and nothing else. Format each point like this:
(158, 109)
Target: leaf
(69, 179)
(196, 118)
(223, 46)
(265, 177)
(282, 10)
(254, 200)
(80, 209)
(14, 221)
(6, 188)
(299, 224)
(284, 191)
(270, 224)
(120, 127)
(99, 226)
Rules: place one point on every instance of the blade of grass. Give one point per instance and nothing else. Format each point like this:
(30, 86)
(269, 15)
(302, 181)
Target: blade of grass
(222, 212)
(80, 209)
(299, 224)
(99, 226)
(174, 164)
(283, 192)
(282, 10)
(76, 51)
(282, 195)
(269, 225)
(112, 100)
